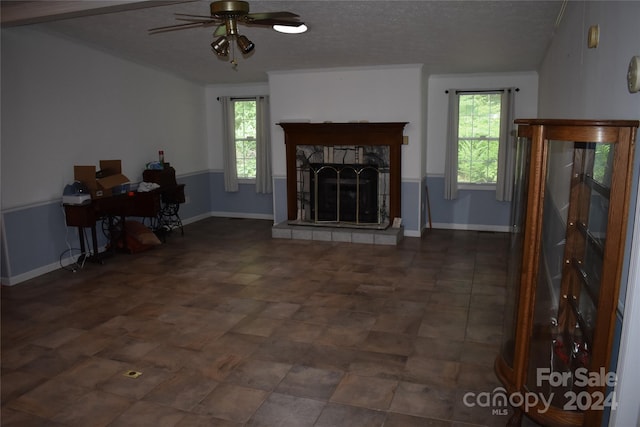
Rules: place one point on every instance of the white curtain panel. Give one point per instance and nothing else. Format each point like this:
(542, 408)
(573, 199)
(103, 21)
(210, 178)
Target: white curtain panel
(229, 145)
(507, 147)
(263, 146)
(451, 158)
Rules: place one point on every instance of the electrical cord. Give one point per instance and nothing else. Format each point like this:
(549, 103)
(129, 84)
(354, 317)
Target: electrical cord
(76, 264)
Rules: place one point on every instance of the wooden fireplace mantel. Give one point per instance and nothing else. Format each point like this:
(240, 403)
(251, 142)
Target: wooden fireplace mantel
(332, 134)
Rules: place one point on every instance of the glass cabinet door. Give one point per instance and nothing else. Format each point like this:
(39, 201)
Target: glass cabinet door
(574, 225)
(516, 241)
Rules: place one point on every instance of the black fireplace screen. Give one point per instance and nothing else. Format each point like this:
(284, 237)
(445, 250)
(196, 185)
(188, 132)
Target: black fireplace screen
(343, 186)
(344, 193)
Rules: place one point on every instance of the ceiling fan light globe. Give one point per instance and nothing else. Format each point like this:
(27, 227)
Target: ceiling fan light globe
(221, 46)
(291, 29)
(245, 44)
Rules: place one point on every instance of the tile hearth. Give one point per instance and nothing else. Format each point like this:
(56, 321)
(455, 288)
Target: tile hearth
(287, 230)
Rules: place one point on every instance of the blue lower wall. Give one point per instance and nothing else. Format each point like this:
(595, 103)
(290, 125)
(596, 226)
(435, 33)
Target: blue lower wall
(279, 199)
(244, 201)
(410, 207)
(473, 209)
(197, 192)
(36, 236)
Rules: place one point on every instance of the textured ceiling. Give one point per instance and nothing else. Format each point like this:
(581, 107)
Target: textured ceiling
(447, 37)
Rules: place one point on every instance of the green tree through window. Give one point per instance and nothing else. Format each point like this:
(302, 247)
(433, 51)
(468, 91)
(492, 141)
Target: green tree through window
(478, 138)
(245, 138)
(602, 162)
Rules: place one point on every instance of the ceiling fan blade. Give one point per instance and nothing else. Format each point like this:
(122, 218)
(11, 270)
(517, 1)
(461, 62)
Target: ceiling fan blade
(179, 27)
(196, 20)
(194, 16)
(270, 22)
(272, 15)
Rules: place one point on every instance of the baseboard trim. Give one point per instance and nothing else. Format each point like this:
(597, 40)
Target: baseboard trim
(241, 215)
(31, 274)
(412, 233)
(472, 227)
(196, 218)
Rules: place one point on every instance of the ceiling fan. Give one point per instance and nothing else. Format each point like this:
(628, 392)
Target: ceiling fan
(226, 15)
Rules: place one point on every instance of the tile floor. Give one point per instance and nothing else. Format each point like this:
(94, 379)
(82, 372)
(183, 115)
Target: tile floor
(230, 327)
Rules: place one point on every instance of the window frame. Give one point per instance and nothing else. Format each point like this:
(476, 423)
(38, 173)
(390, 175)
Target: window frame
(479, 186)
(243, 179)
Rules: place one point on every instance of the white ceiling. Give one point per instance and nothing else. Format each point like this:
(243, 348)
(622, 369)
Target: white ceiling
(448, 37)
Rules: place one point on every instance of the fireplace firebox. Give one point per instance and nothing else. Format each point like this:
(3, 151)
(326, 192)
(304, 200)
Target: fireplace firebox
(344, 193)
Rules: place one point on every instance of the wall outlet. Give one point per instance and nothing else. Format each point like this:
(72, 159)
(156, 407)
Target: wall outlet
(187, 200)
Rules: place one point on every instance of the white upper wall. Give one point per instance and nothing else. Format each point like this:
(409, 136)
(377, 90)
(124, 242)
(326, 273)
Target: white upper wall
(65, 104)
(380, 94)
(583, 83)
(526, 105)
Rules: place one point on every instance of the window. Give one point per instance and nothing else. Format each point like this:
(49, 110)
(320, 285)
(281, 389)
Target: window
(480, 142)
(246, 142)
(245, 138)
(478, 137)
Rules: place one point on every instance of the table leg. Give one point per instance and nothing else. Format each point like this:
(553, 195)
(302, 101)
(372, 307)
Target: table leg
(83, 248)
(94, 240)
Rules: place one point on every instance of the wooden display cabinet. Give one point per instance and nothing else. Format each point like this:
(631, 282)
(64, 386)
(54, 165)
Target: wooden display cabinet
(570, 208)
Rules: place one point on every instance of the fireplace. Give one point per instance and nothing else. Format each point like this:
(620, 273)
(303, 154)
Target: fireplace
(344, 193)
(343, 174)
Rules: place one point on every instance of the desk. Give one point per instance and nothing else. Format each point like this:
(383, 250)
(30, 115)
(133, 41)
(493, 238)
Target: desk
(146, 205)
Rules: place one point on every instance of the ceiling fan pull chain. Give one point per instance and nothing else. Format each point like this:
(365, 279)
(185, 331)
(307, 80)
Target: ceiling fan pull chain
(234, 63)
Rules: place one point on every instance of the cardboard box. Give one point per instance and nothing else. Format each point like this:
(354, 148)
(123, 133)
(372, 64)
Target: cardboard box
(110, 176)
